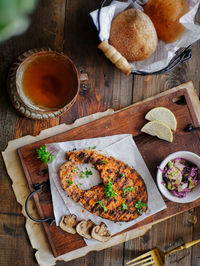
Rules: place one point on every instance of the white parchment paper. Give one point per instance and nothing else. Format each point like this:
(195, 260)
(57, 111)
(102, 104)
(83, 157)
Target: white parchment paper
(164, 52)
(35, 231)
(121, 147)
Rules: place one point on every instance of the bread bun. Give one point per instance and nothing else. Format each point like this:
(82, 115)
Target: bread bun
(165, 15)
(133, 35)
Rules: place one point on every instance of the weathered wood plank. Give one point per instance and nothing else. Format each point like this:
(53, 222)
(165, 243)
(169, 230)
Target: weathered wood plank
(165, 236)
(195, 224)
(46, 29)
(107, 86)
(145, 87)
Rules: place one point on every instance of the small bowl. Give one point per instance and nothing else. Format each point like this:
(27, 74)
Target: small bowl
(190, 196)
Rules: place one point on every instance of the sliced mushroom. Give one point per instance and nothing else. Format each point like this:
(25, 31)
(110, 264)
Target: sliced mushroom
(101, 233)
(84, 228)
(68, 223)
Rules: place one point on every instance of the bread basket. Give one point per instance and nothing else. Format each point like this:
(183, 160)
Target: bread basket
(181, 56)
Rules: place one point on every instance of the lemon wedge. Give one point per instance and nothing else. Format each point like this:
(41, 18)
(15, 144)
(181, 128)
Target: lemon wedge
(164, 115)
(158, 129)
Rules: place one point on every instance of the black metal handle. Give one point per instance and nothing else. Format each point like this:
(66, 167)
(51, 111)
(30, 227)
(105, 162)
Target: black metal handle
(181, 58)
(38, 188)
(184, 56)
(190, 128)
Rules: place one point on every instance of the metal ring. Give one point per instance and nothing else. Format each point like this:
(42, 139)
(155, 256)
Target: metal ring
(38, 188)
(181, 58)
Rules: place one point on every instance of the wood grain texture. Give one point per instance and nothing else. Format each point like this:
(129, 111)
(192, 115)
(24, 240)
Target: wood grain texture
(65, 25)
(46, 30)
(111, 125)
(107, 87)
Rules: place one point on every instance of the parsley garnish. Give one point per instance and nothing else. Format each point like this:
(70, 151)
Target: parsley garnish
(82, 174)
(123, 206)
(73, 170)
(102, 205)
(104, 162)
(79, 184)
(69, 182)
(139, 206)
(124, 190)
(44, 154)
(76, 167)
(92, 148)
(85, 174)
(84, 204)
(109, 191)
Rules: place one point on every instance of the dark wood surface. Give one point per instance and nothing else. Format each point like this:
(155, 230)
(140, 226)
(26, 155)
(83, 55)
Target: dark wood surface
(66, 26)
(61, 242)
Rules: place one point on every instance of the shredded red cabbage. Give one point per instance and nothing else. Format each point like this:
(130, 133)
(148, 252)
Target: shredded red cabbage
(180, 178)
(164, 170)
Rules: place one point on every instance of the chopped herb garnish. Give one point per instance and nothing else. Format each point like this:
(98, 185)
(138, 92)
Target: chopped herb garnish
(109, 177)
(92, 148)
(44, 154)
(79, 184)
(123, 206)
(109, 191)
(69, 182)
(122, 175)
(73, 170)
(106, 126)
(77, 168)
(139, 206)
(104, 162)
(124, 190)
(82, 174)
(85, 174)
(85, 204)
(102, 205)
(120, 224)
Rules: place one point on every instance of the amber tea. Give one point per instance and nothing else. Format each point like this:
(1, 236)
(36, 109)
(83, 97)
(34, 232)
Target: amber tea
(49, 80)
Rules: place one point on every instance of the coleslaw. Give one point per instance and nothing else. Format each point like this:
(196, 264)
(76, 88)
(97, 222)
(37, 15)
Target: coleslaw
(180, 176)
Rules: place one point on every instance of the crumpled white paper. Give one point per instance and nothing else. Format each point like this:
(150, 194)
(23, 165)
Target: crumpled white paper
(164, 52)
(121, 147)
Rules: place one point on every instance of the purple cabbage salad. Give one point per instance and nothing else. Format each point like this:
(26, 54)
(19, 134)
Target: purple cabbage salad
(180, 176)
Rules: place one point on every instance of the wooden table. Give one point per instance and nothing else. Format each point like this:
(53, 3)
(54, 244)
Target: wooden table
(66, 27)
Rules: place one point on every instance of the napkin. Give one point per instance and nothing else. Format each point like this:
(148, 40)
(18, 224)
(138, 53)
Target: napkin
(123, 148)
(164, 52)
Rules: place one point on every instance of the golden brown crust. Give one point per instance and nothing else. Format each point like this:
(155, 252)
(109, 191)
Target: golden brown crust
(117, 172)
(165, 16)
(133, 35)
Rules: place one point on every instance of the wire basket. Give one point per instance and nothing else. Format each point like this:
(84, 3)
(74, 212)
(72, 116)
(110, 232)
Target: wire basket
(182, 55)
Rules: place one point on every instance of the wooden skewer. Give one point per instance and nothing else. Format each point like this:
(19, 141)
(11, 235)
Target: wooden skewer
(115, 57)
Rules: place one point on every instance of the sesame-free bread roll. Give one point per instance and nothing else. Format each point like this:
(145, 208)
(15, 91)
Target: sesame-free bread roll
(165, 15)
(133, 35)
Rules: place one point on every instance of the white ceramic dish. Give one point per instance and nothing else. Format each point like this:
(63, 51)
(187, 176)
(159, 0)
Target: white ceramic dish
(190, 196)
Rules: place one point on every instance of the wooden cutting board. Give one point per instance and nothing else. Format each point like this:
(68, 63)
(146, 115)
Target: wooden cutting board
(181, 100)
